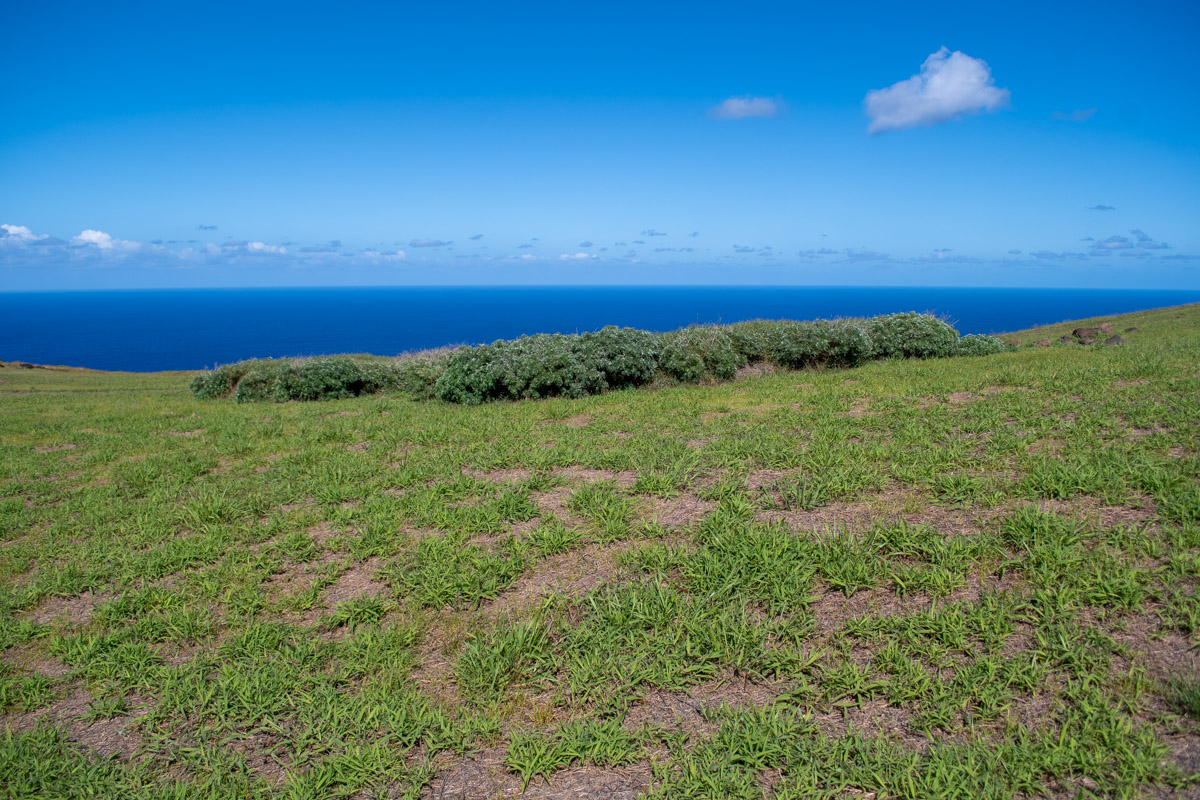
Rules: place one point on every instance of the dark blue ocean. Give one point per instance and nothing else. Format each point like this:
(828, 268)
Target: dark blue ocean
(150, 330)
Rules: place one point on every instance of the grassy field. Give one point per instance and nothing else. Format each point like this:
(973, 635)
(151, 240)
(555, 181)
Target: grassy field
(968, 577)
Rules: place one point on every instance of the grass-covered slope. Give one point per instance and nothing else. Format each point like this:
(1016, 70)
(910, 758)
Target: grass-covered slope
(968, 577)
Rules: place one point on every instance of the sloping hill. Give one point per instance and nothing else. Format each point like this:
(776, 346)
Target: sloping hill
(969, 577)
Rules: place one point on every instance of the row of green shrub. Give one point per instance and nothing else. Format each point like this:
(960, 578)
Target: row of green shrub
(556, 365)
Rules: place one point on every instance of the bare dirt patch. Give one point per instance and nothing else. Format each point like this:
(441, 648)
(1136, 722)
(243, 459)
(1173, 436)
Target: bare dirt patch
(509, 476)
(573, 574)
(576, 421)
(752, 371)
(860, 408)
(356, 581)
(105, 737)
(55, 448)
(1092, 511)
(483, 775)
(322, 533)
(890, 506)
(75, 610)
(440, 640)
(577, 474)
(687, 711)
(676, 513)
(263, 754)
(185, 434)
(359, 447)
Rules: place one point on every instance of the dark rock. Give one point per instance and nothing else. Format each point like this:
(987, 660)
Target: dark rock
(1117, 339)
(1131, 330)
(22, 365)
(1106, 328)
(1087, 341)
(1042, 343)
(1086, 333)
(1065, 340)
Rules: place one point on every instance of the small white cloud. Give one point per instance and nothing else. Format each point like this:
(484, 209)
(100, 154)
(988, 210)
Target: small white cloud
(102, 241)
(528, 256)
(569, 257)
(259, 247)
(746, 106)
(388, 255)
(949, 85)
(1078, 115)
(19, 232)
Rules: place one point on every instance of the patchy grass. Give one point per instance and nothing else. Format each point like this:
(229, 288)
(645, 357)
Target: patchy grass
(969, 577)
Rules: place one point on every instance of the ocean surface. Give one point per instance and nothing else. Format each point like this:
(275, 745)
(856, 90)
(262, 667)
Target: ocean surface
(150, 330)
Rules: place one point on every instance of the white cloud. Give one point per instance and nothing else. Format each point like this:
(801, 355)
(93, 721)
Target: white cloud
(949, 85)
(1078, 115)
(19, 232)
(392, 255)
(259, 247)
(746, 106)
(569, 257)
(102, 241)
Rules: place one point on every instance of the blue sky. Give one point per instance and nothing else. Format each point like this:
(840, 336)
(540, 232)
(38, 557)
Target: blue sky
(252, 144)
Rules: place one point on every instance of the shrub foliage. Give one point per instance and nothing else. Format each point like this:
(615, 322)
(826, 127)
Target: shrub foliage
(557, 365)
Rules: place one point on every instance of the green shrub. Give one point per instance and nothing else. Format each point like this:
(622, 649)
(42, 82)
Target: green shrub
(627, 357)
(911, 335)
(752, 339)
(328, 378)
(545, 365)
(220, 381)
(467, 377)
(417, 375)
(323, 379)
(820, 343)
(691, 354)
(261, 383)
(979, 344)
(552, 365)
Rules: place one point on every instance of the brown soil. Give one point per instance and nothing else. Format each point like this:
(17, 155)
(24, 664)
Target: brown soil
(573, 573)
(105, 737)
(483, 775)
(507, 476)
(676, 513)
(75, 610)
(54, 448)
(577, 421)
(576, 474)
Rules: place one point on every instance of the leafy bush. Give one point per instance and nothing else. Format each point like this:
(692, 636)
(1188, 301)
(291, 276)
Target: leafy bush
(220, 381)
(690, 354)
(979, 344)
(323, 379)
(261, 383)
(545, 365)
(416, 375)
(467, 378)
(752, 339)
(549, 365)
(308, 379)
(627, 357)
(911, 335)
(820, 343)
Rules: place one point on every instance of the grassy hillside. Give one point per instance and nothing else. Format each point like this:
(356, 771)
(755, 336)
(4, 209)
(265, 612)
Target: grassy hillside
(968, 577)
